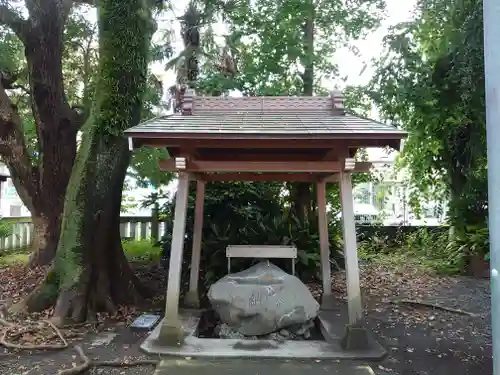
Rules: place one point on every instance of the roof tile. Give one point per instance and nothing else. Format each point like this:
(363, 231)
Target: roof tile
(277, 115)
(250, 122)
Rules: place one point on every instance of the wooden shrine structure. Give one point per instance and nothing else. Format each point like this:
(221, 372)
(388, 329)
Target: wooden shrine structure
(308, 139)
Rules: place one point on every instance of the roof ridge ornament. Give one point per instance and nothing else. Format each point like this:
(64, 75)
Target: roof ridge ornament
(337, 98)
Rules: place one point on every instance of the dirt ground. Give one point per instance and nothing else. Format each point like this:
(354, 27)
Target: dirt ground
(96, 345)
(420, 340)
(424, 341)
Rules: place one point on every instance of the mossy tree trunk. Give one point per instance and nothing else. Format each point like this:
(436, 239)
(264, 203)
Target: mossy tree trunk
(90, 271)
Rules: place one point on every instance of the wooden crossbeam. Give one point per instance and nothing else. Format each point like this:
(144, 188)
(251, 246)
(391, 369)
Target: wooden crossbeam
(267, 177)
(262, 171)
(261, 177)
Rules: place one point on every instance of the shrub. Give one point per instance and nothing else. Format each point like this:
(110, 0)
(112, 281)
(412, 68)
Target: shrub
(141, 251)
(245, 213)
(426, 247)
(6, 228)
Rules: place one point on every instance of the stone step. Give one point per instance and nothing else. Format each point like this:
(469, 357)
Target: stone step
(263, 367)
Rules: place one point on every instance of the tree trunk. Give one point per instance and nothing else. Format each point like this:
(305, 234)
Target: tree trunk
(41, 184)
(91, 272)
(45, 237)
(301, 191)
(57, 126)
(105, 278)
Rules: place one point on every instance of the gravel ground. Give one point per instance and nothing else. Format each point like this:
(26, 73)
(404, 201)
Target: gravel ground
(424, 341)
(119, 344)
(420, 340)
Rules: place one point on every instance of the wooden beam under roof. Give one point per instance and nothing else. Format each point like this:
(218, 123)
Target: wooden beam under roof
(263, 177)
(255, 168)
(157, 140)
(254, 155)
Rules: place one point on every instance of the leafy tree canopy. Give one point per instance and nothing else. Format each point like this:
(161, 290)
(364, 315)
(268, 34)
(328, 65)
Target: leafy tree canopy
(431, 82)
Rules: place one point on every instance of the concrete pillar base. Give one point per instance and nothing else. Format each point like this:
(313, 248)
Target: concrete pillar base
(355, 338)
(192, 299)
(171, 333)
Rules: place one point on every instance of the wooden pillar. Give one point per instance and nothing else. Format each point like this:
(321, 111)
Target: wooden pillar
(324, 244)
(350, 250)
(171, 332)
(192, 297)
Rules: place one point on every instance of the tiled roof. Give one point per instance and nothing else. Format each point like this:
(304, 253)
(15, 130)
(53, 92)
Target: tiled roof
(264, 123)
(299, 116)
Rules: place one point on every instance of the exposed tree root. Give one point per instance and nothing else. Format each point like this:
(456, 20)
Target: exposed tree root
(5, 323)
(82, 305)
(79, 368)
(416, 303)
(101, 287)
(10, 326)
(80, 325)
(138, 362)
(87, 363)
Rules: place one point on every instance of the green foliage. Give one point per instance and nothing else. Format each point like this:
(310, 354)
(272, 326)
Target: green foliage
(13, 258)
(430, 249)
(268, 44)
(434, 251)
(128, 202)
(80, 59)
(141, 251)
(11, 51)
(145, 167)
(12, 62)
(431, 82)
(244, 213)
(135, 251)
(6, 228)
(474, 241)
(266, 51)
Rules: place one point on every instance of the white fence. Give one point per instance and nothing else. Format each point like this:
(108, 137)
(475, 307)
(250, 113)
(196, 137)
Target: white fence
(131, 227)
(141, 228)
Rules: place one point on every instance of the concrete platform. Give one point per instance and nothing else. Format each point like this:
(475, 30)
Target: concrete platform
(333, 332)
(262, 367)
(235, 348)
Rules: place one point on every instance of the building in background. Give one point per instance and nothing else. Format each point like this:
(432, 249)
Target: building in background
(10, 203)
(387, 199)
